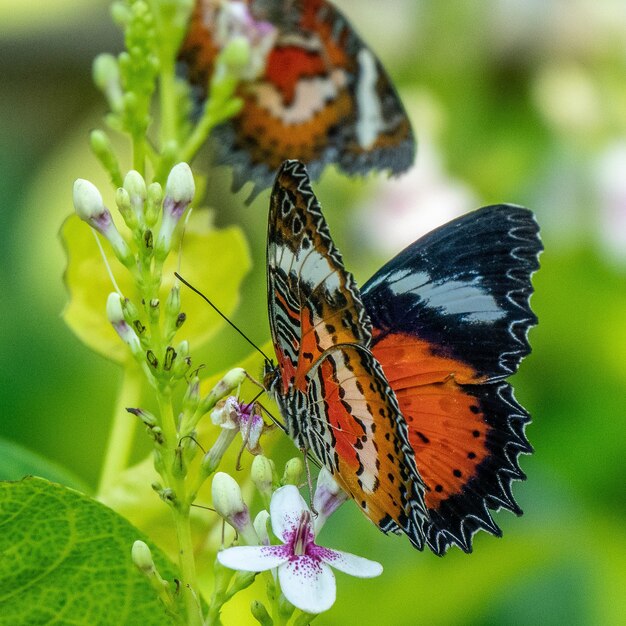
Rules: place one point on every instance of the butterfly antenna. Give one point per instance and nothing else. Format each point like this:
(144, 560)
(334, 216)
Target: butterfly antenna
(182, 280)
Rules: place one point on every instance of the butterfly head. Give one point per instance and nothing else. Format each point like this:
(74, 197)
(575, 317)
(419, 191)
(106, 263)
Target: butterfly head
(271, 378)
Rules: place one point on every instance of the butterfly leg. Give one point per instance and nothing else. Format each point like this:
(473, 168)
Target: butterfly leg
(307, 469)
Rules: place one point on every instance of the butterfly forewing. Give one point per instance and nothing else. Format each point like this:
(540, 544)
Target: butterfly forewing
(450, 317)
(313, 301)
(324, 97)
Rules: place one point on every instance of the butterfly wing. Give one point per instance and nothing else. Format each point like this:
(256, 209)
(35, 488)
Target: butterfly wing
(332, 392)
(313, 302)
(451, 315)
(324, 97)
(356, 429)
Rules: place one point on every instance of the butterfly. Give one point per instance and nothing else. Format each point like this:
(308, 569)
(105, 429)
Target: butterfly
(323, 98)
(399, 388)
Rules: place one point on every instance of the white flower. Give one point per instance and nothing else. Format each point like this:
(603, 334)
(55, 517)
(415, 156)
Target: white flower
(304, 568)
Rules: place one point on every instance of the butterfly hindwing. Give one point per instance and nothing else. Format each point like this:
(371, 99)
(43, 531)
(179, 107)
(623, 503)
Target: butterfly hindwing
(324, 97)
(332, 392)
(450, 318)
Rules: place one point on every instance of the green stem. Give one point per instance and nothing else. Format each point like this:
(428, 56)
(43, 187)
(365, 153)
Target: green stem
(123, 429)
(180, 512)
(214, 115)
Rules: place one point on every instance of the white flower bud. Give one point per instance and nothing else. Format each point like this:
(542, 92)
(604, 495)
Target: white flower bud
(90, 208)
(228, 502)
(142, 557)
(115, 315)
(179, 192)
(88, 202)
(135, 185)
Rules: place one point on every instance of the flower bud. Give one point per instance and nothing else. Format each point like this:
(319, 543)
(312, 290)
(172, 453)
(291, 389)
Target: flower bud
(122, 199)
(115, 315)
(192, 395)
(260, 614)
(328, 497)
(136, 188)
(90, 208)
(106, 76)
(153, 206)
(145, 416)
(179, 192)
(260, 527)
(236, 55)
(102, 148)
(245, 41)
(172, 310)
(228, 502)
(212, 459)
(89, 204)
(142, 557)
(262, 474)
(294, 470)
(228, 383)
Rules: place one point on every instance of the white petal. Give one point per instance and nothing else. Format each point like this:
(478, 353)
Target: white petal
(253, 558)
(347, 563)
(308, 584)
(286, 508)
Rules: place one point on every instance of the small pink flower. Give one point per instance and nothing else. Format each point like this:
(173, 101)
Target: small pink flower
(304, 568)
(231, 414)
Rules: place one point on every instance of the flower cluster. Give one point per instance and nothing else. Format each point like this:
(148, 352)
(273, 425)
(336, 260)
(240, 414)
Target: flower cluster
(303, 568)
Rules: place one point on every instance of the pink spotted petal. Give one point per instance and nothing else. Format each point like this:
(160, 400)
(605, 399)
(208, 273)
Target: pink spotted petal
(286, 508)
(253, 558)
(346, 562)
(308, 584)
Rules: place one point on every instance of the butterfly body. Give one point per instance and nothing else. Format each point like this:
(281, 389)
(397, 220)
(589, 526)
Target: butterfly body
(322, 98)
(398, 388)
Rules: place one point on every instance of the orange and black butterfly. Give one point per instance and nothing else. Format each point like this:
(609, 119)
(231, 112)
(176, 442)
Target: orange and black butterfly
(323, 97)
(399, 388)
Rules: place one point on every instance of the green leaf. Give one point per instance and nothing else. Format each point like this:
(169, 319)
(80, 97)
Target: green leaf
(215, 261)
(65, 558)
(17, 462)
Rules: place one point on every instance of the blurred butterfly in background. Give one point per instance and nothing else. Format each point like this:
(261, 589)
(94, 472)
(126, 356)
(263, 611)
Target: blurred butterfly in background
(399, 388)
(322, 98)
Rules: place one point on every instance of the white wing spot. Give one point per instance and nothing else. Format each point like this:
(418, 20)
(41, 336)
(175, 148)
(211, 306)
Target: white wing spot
(453, 297)
(370, 121)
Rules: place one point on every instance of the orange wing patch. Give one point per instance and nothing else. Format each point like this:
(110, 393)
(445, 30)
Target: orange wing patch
(447, 430)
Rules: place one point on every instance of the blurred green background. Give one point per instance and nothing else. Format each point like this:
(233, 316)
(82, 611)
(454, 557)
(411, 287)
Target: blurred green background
(518, 101)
